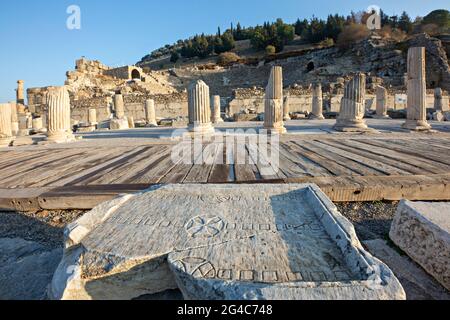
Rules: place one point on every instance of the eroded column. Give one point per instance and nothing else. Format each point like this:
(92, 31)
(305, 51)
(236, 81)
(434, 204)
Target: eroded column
(381, 105)
(317, 102)
(416, 118)
(6, 136)
(199, 108)
(351, 114)
(273, 102)
(215, 110)
(150, 113)
(58, 117)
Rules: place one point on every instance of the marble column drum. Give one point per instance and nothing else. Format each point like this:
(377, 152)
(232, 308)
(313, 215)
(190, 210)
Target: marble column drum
(351, 114)
(58, 117)
(6, 136)
(317, 102)
(416, 118)
(150, 113)
(381, 106)
(273, 102)
(199, 108)
(215, 110)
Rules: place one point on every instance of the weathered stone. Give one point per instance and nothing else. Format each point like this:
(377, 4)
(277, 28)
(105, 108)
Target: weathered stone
(14, 119)
(26, 269)
(351, 114)
(38, 125)
(220, 242)
(5, 125)
(92, 117)
(438, 103)
(150, 113)
(58, 120)
(215, 110)
(119, 124)
(438, 116)
(317, 102)
(416, 118)
(130, 122)
(422, 230)
(23, 124)
(199, 108)
(20, 97)
(381, 107)
(273, 102)
(119, 106)
(286, 112)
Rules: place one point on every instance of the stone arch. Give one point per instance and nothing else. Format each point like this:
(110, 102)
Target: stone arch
(135, 74)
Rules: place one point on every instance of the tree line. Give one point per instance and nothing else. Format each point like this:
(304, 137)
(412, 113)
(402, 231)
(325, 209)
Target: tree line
(273, 37)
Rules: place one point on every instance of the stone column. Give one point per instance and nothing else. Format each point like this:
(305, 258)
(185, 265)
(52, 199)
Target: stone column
(6, 135)
(438, 103)
(215, 110)
(351, 114)
(150, 113)
(199, 108)
(14, 118)
(23, 124)
(58, 116)
(20, 98)
(119, 106)
(273, 102)
(92, 117)
(286, 105)
(317, 102)
(416, 118)
(381, 107)
(38, 125)
(120, 122)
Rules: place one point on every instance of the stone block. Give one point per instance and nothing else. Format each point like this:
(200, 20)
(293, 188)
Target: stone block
(421, 229)
(220, 242)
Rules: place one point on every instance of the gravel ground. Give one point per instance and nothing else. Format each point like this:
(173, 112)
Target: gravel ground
(44, 227)
(372, 220)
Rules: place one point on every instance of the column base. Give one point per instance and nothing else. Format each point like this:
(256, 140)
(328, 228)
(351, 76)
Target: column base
(351, 126)
(63, 137)
(152, 125)
(201, 129)
(218, 121)
(275, 129)
(416, 125)
(312, 116)
(381, 117)
(119, 124)
(6, 142)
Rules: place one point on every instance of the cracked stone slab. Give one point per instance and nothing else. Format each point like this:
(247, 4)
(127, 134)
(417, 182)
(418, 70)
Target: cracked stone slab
(422, 231)
(274, 241)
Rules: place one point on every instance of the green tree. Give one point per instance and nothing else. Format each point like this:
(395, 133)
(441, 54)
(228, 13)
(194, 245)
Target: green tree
(441, 18)
(174, 57)
(405, 24)
(300, 26)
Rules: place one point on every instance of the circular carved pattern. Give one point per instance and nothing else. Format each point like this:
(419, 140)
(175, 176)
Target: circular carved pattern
(207, 227)
(197, 267)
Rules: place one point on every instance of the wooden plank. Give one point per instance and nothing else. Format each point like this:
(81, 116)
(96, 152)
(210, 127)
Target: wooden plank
(85, 174)
(84, 197)
(18, 158)
(332, 166)
(366, 160)
(378, 188)
(21, 199)
(179, 172)
(401, 157)
(221, 171)
(244, 168)
(347, 162)
(202, 167)
(429, 156)
(350, 147)
(293, 153)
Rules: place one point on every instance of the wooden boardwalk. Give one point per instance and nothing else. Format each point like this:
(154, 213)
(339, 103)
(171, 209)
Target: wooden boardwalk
(346, 167)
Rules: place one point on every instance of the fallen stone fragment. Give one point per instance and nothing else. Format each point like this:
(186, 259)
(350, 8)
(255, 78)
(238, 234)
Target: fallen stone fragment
(422, 230)
(220, 242)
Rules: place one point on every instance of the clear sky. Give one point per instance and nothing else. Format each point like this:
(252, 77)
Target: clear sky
(36, 45)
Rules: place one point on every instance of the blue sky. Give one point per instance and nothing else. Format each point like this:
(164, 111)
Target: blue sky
(37, 47)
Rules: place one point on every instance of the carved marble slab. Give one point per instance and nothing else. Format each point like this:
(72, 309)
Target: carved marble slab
(220, 242)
